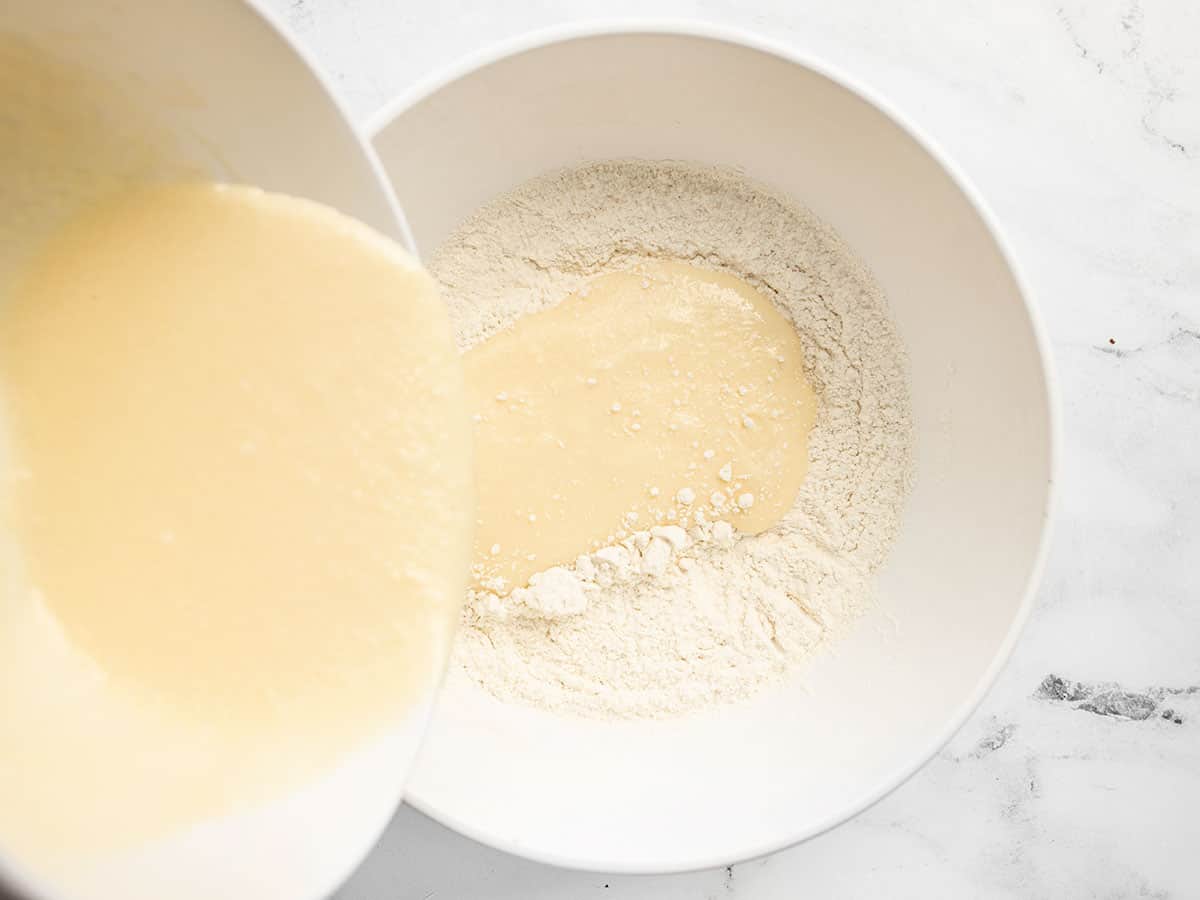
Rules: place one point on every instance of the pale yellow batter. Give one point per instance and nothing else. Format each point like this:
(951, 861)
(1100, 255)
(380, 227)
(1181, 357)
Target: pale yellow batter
(238, 509)
(649, 395)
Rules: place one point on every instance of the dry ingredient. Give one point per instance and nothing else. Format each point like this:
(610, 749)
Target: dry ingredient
(668, 620)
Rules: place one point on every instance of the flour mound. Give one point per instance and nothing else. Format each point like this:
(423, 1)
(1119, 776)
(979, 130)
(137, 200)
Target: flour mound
(661, 624)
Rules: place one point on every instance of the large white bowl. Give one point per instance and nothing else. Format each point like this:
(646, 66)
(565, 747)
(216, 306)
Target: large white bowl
(743, 780)
(228, 96)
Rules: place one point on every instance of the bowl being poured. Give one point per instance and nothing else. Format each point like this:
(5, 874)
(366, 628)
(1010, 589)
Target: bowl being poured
(99, 103)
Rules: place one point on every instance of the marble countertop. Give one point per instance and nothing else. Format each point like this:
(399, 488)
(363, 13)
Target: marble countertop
(1080, 122)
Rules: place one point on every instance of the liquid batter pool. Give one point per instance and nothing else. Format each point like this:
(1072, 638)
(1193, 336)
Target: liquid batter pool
(648, 395)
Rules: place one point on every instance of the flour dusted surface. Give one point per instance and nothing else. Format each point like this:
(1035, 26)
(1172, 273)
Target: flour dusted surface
(662, 623)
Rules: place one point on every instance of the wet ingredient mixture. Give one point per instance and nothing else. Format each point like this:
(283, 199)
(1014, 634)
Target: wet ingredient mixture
(646, 396)
(236, 509)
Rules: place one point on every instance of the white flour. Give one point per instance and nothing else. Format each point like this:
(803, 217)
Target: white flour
(669, 621)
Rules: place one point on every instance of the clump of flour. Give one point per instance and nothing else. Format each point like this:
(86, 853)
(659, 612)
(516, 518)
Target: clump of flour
(670, 620)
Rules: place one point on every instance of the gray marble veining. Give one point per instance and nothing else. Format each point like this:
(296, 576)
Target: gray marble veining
(1080, 122)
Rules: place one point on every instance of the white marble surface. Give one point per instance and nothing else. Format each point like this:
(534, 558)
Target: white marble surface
(1080, 122)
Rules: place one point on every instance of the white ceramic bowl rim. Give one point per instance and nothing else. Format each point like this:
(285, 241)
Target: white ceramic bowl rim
(275, 22)
(563, 33)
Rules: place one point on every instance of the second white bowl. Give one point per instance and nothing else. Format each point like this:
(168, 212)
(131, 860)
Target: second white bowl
(743, 780)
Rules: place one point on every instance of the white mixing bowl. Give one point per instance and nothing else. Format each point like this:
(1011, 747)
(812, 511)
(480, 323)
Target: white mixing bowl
(218, 90)
(743, 780)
